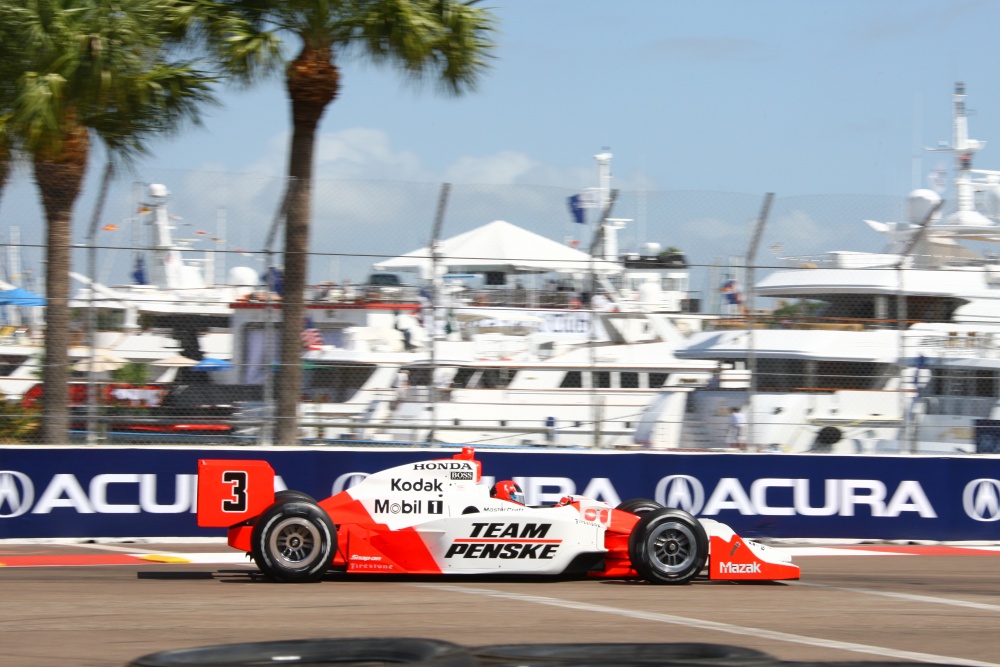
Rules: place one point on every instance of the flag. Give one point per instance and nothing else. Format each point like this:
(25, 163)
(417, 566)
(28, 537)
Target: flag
(109, 228)
(311, 337)
(734, 295)
(275, 279)
(576, 207)
(589, 198)
(139, 274)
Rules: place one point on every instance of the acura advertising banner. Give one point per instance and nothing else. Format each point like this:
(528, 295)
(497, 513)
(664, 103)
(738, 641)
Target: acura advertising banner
(51, 492)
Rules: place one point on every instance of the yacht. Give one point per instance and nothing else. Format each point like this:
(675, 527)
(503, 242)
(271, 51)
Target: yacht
(839, 368)
(583, 395)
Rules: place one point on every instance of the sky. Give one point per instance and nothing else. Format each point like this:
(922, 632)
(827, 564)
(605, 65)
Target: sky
(705, 106)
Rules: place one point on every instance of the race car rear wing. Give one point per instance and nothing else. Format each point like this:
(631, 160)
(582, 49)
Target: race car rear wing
(230, 492)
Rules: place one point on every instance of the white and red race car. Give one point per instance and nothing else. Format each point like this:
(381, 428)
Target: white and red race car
(436, 517)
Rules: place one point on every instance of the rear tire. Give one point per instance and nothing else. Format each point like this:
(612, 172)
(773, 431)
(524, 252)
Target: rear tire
(639, 506)
(289, 494)
(293, 541)
(668, 546)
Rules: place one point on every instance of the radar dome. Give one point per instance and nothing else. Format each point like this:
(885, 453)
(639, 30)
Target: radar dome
(920, 203)
(243, 276)
(158, 190)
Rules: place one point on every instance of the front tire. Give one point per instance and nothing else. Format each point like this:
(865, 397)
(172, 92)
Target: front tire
(668, 546)
(293, 541)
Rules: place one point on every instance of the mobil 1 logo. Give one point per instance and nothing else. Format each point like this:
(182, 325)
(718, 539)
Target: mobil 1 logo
(409, 506)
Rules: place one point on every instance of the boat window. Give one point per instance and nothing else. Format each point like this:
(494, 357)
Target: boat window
(572, 380)
(462, 377)
(335, 384)
(963, 382)
(496, 378)
(601, 380)
(657, 380)
(629, 380)
(9, 364)
(420, 377)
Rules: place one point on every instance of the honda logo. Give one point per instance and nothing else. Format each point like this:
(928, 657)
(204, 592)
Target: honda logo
(17, 493)
(981, 499)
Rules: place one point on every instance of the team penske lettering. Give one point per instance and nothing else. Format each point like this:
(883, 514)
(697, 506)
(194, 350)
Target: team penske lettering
(510, 530)
(504, 550)
(506, 541)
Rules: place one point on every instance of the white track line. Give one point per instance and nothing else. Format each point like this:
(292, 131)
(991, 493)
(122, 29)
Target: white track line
(711, 625)
(982, 606)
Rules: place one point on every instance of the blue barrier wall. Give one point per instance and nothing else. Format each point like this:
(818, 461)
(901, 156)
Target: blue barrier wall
(50, 492)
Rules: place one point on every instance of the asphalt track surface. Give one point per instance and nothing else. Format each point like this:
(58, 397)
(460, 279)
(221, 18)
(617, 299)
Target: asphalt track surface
(106, 604)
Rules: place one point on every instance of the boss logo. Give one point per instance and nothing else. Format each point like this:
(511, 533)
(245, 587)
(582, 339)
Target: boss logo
(463, 475)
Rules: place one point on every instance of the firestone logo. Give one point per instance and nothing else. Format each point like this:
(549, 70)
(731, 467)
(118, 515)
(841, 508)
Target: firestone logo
(981, 499)
(17, 493)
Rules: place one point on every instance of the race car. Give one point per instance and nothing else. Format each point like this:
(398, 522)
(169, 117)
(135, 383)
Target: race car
(438, 517)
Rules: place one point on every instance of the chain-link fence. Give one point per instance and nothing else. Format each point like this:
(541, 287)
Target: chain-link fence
(542, 331)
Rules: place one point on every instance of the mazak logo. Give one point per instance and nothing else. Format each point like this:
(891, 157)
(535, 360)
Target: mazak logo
(408, 507)
(506, 541)
(462, 475)
(739, 568)
(17, 493)
(428, 485)
(681, 491)
(443, 465)
(981, 499)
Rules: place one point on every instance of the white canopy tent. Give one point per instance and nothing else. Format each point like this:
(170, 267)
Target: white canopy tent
(500, 247)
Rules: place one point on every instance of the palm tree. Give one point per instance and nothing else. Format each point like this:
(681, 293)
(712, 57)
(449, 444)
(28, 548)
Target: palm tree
(449, 41)
(85, 69)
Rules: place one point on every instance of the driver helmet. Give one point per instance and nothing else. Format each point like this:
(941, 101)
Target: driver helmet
(508, 490)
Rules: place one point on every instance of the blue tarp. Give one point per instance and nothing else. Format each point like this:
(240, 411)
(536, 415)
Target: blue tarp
(21, 297)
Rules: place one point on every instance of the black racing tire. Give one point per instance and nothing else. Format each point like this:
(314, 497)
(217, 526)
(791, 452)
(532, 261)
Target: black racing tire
(639, 506)
(315, 652)
(668, 546)
(289, 494)
(680, 653)
(293, 541)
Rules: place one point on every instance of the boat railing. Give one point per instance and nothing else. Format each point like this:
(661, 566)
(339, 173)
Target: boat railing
(805, 323)
(963, 344)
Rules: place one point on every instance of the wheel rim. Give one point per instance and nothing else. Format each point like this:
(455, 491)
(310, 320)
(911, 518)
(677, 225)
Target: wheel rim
(295, 542)
(672, 548)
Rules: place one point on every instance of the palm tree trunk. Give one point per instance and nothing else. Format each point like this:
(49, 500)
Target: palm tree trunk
(59, 181)
(312, 84)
